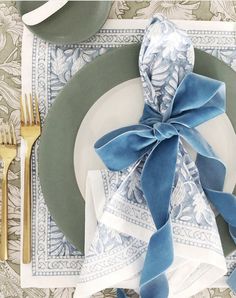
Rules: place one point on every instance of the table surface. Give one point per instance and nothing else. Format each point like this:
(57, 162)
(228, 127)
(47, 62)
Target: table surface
(10, 84)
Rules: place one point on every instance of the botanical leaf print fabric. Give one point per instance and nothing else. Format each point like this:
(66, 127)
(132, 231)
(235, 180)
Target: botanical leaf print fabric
(10, 84)
(214, 10)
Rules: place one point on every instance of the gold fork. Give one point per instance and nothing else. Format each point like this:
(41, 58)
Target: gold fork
(30, 131)
(7, 154)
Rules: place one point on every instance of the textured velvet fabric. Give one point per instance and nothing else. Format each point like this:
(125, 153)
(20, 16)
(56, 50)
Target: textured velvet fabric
(197, 99)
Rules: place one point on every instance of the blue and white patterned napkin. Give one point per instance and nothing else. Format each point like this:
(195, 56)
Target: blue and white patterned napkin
(116, 252)
(46, 68)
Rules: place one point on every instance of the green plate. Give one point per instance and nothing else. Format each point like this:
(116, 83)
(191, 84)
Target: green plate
(56, 165)
(74, 22)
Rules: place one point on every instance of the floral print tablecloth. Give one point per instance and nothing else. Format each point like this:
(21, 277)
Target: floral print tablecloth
(10, 83)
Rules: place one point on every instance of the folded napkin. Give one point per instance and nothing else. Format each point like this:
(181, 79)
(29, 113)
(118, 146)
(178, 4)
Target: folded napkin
(122, 222)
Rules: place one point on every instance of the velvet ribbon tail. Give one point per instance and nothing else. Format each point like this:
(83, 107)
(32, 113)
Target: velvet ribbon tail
(157, 182)
(197, 100)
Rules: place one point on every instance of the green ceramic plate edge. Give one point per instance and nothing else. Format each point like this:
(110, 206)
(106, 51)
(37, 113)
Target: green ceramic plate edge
(61, 192)
(75, 22)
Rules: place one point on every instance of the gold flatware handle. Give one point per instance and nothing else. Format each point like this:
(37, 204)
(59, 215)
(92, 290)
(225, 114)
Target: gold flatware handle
(4, 224)
(27, 210)
(30, 131)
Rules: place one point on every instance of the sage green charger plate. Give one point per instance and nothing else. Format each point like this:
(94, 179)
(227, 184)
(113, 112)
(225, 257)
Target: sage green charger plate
(74, 22)
(56, 152)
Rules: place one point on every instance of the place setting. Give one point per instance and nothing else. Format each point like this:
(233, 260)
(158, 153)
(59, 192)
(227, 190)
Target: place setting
(127, 153)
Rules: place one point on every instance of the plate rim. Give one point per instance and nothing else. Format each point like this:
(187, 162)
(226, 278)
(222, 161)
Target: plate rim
(68, 38)
(127, 56)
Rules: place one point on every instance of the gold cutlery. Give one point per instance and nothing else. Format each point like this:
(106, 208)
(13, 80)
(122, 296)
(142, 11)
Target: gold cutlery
(7, 154)
(30, 131)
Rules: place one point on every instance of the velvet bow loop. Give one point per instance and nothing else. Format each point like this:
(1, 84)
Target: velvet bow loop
(122, 147)
(197, 100)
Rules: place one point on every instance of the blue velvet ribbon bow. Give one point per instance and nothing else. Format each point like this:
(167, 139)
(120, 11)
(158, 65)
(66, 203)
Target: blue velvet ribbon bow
(197, 99)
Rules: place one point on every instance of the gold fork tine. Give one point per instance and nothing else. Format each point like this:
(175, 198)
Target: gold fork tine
(22, 113)
(37, 118)
(31, 109)
(9, 139)
(13, 134)
(30, 133)
(4, 134)
(27, 111)
(1, 139)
